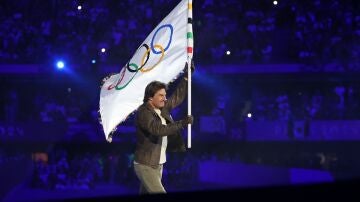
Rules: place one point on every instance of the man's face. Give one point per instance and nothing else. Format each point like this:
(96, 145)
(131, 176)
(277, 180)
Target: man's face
(158, 100)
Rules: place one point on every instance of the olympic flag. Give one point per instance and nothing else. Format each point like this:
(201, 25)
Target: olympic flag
(162, 56)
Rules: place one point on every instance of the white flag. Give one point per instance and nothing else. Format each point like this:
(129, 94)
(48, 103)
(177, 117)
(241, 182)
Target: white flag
(162, 57)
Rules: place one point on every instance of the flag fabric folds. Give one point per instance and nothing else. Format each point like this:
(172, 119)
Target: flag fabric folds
(162, 57)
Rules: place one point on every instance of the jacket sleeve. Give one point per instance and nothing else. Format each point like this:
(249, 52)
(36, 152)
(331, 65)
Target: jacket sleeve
(151, 125)
(178, 95)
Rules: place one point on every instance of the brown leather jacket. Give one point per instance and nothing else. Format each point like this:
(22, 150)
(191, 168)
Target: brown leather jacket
(149, 129)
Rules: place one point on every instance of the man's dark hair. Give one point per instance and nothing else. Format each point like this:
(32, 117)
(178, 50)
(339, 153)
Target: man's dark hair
(152, 88)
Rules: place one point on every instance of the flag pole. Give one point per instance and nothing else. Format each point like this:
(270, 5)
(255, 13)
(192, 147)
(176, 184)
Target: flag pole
(190, 48)
(189, 101)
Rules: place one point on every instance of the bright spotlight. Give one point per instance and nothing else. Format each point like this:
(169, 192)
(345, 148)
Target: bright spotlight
(228, 52)
(93, 61)
(60, 64)
(249, 115)
(275, 2)
(103, 50)
(79, 7)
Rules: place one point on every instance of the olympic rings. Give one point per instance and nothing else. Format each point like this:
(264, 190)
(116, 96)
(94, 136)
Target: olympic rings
(147, 58)
(121, 87)
(135, 68)
(170, 38)
(132, 64)
(150, 68)
(118, 82)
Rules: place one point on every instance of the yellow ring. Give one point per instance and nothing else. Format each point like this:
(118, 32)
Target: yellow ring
(148, 50)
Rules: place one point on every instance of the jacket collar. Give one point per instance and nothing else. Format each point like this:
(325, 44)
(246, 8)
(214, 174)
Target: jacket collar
(149, 107)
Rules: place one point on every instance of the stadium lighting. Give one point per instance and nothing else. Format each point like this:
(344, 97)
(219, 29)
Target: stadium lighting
(60, 64)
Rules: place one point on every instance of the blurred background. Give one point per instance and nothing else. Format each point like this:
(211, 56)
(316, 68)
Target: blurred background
(276, 95)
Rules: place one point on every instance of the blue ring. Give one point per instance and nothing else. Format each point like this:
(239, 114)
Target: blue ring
(152, 40)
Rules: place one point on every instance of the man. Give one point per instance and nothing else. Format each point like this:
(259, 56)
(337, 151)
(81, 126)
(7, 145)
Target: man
(157, 132)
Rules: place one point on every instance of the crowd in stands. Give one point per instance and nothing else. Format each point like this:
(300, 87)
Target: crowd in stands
(74, 170)
(325, 101)
(58, 171)
(225, 114)
(41, 104)
(84, 170)
(316, 32)
(338, 102)
(254, 32)
(6, 158)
